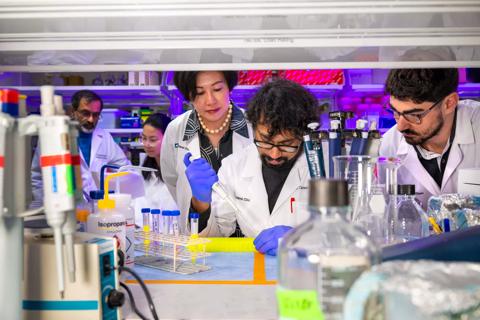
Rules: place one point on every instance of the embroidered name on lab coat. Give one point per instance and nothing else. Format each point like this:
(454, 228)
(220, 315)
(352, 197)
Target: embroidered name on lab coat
(178, 146)
(101, 156)
(242, 199)
(301, 188)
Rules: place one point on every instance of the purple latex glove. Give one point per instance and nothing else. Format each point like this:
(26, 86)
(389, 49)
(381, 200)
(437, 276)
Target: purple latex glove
(267, 241)
(201, 177)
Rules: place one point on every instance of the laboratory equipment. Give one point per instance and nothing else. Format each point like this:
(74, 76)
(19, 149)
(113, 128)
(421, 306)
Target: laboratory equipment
(123, 203)
(387, 171)
(194, 216)
(313, 150)
(334, 144)
(166, 219)
(95, 195)
(174, 223)
(155, 215)
(94, 295)
(14, 160)
(360, 138)
(411, 221)
(416, 290)
(145, 218)
(180, 254)
(374, 138)
(458, 210)
(320, 259)
(57, 174)
(110, 220)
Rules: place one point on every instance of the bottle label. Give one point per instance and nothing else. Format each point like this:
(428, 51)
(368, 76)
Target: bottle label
(298, 304)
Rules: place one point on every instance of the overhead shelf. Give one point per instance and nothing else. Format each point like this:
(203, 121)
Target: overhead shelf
(118, 96)
(106, 35)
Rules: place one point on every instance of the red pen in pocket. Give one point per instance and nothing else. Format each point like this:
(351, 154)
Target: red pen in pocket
(292, 200)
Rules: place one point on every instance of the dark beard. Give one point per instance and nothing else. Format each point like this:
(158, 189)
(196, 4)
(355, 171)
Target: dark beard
(419, 140)
(286, 163)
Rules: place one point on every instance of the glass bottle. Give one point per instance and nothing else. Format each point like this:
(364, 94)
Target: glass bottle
(320, 259)
(411, 222)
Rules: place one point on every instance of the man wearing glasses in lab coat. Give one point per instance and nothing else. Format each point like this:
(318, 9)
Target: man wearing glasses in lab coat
(268, 179)
(97, 147)
(435, 135)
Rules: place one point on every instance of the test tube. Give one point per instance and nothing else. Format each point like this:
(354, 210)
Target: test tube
(156, 221)
(194, 216)
(146, 219)
(166, 222)
(175, 216)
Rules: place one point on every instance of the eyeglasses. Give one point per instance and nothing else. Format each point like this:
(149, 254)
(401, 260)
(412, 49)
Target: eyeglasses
(411, 117)
(270, 146)
(88, 114)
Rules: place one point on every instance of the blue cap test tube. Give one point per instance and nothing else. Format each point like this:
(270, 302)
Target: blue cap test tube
(146, 219)
(166, 222)
(156, 220)
(175, 217)
(194, 216)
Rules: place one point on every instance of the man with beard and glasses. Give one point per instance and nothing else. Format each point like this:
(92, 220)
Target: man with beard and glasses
(436, 134)
(96, 146)
(268, 179)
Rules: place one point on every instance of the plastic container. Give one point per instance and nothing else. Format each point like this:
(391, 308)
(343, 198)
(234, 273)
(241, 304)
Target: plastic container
(320, 259)
(411, 221)
(156, 217)
(108, 222)
(123, 203)
(146, 218)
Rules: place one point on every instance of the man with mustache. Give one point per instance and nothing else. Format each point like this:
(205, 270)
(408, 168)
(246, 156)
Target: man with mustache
(97, 146)
(436, 134)
(268, 179)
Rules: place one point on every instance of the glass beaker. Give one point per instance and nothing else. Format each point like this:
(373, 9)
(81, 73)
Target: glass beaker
(387, 171)
(368, 201)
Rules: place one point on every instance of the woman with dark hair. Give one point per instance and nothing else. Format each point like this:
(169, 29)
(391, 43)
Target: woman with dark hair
(211, 131)
(157, 195)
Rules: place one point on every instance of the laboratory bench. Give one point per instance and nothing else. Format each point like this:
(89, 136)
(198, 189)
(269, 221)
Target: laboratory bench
(238, 286)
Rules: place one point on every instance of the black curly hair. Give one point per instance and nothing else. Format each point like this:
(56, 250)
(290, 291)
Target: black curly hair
(283, 105)
(421, 85)
(186, 82)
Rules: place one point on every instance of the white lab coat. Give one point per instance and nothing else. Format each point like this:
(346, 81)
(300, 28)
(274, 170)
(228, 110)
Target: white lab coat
(173, 168)
(464, 153)
(156, 196)
(241, 176)
(104, 150)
